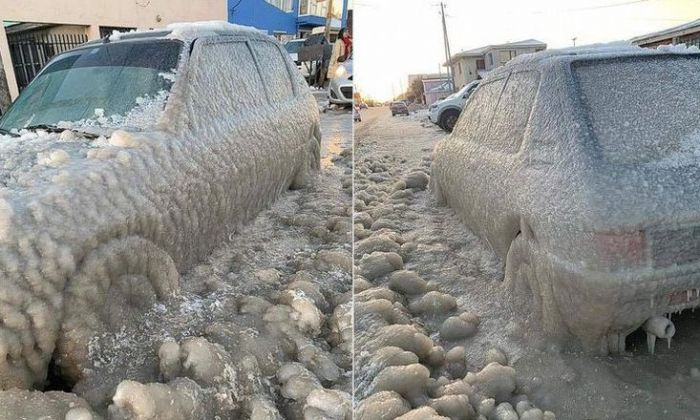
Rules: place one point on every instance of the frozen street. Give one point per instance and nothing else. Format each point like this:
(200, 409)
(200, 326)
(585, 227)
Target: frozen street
(432, 316)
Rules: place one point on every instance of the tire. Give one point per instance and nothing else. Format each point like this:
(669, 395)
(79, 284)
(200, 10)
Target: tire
(522, 279)
(448, 119)
(305, 175)
(115, 285)
(437, 192)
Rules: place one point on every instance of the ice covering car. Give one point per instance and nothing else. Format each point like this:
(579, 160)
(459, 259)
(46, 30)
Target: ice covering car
(340, 86)
(445, 113)
(123, 163)
(580, 168)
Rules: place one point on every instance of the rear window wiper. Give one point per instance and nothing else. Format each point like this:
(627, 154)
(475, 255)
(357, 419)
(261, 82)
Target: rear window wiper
(8, 133)
(56, 129)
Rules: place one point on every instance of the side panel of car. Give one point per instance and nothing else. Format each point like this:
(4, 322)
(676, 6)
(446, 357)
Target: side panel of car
(231, 105)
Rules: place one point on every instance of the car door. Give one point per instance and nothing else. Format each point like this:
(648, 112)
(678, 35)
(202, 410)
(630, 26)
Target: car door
(229, 116)
(501, 157)
(466, 187)
(290, 123)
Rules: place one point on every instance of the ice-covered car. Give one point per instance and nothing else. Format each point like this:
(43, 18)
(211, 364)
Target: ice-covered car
(445, 113)
(581, 170)
(123, 163)
(399, 107)
(340, 86)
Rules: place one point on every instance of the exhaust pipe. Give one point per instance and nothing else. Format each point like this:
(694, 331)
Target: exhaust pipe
(658, 327)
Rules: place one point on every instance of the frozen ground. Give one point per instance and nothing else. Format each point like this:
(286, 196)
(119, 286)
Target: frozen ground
(447, 312)
(261, 329)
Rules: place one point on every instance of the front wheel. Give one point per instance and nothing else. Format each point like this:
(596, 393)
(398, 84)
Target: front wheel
(448, 120)
(116, 284)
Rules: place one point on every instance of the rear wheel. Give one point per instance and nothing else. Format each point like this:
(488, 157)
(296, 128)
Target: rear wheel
(116, 284)
(312, 164)
(448, 119)
(522, 278)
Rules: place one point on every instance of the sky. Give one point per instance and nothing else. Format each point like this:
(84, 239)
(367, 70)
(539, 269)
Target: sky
(394, 38)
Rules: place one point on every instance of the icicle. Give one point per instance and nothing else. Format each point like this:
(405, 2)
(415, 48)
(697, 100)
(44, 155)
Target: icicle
(651, 342)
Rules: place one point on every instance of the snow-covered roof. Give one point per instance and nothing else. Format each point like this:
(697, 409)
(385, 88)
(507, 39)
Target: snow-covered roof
(527, 43)
(612, 49)
(665, 33)
(187, 30)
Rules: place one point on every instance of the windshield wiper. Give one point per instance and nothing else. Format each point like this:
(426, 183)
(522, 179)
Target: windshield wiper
(56, 129)
(8, 133)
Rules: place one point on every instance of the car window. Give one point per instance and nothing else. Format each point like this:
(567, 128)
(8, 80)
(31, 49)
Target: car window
(643, 110)
(513, 112)
(225, 79)
(274, 70)
(474, 122)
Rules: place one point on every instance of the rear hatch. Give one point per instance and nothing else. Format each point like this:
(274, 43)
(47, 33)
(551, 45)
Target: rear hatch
(643, 113)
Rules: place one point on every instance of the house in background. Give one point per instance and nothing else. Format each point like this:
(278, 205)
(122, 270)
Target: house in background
(32, 32)
(474, 64)
(436, 89)
(688, 34)
(288, 19)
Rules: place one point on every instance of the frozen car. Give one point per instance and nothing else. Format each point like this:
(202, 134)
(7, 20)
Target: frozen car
(581, 170)
(445, 113)
(398, 107)
(123, 163)
(340, 87)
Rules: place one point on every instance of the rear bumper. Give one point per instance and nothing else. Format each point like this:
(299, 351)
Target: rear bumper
(594, 304)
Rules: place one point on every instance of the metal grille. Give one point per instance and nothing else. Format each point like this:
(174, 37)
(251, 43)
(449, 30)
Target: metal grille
(30, 52)
(346, 91)
(676, 246)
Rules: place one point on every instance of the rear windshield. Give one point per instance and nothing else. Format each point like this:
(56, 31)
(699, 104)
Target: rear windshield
(643, 109)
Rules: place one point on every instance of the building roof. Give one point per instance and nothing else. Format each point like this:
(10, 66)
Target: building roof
(693, 26)
(475, 52)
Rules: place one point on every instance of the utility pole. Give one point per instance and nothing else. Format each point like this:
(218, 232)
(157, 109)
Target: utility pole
(448, 54)
(329, 19)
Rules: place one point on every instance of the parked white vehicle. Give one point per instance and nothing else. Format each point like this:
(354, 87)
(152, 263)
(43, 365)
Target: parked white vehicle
(340, 87)
(124, 162)
(445, 113)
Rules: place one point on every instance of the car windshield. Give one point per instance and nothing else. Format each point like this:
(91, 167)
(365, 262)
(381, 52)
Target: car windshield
(643, 109)
(293, 47)
(112, 84)
(459, 92)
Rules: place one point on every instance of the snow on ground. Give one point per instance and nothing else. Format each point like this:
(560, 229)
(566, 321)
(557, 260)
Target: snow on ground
(437, 335)
(261, 329)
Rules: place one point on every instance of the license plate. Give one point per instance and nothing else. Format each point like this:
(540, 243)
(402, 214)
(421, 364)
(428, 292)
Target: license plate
(683, 296)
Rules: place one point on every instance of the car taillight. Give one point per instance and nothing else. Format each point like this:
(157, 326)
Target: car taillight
(618, 250)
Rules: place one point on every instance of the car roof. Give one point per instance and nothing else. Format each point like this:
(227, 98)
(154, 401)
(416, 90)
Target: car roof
(591, 52)
(184, 31)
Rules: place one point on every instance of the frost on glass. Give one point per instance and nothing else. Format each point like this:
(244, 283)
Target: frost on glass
(95, 229)
(579, 168)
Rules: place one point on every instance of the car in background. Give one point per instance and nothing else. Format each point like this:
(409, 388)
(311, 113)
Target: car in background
(132, 157)
(445, 112)
(292, 47)
(584, 177)
(398, 108)
(340, 87)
